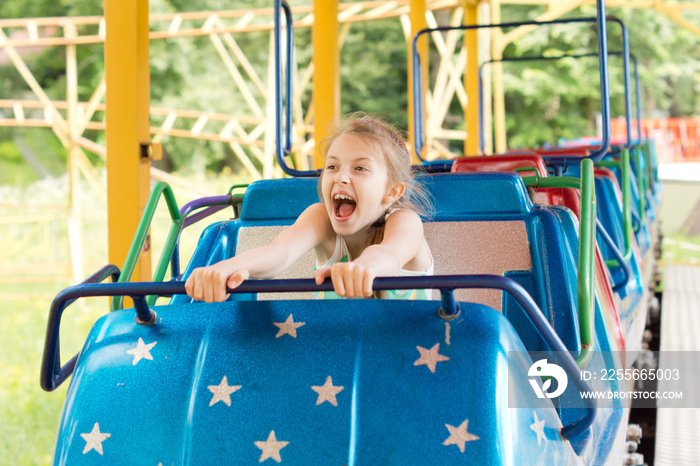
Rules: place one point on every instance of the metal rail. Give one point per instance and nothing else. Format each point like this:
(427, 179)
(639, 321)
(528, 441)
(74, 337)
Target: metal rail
(628, 116)
(601, 22)
(586, 249)
(161, 189)
(53, 374)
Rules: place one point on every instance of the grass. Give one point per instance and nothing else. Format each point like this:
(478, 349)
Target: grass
(29, 415)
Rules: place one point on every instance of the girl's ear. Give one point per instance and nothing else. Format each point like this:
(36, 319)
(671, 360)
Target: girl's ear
(394, 193)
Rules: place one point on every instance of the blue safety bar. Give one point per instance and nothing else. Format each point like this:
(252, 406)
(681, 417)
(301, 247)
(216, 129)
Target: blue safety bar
(638, 97)
(600, 20)
(284, 132)
(619, 257)
(628, 92)
(52, 374)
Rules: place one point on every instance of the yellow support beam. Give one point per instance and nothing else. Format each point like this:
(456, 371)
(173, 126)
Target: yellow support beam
(326, 81)
(418, 22)
(471, 79)
(127, 114)
(499, 106)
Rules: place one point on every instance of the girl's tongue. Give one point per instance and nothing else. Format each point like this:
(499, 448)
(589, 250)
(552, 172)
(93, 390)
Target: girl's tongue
(344, 208)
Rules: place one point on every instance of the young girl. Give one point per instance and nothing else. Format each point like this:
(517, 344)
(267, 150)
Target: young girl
(366, 226)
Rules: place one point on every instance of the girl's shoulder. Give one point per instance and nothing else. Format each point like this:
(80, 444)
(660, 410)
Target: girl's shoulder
(406, 217)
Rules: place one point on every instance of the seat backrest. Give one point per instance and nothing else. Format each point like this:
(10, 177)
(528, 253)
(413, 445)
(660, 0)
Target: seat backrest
(484, 223)
(500, 163)
(479, 247)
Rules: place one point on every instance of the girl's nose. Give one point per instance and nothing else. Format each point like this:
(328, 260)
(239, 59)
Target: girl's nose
(342, 177)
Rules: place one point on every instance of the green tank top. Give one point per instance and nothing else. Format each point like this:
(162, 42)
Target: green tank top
(341, 254)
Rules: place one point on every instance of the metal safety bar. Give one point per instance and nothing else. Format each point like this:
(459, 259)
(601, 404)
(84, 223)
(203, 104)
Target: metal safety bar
(164, 190)
(283, 132)
(586, 267)
(628, 117)
(586, 249)
(600, 20)
(211, 205)
(619, 258)
(53, 375)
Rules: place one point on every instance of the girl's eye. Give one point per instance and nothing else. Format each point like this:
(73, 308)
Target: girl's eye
(331, 166)
(361, 169)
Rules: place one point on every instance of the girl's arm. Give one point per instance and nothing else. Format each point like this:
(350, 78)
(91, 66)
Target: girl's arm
(209, 283)
(403, 244)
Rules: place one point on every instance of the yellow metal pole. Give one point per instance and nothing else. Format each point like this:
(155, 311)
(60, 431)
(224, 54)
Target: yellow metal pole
(127, 115)
(471, 79)
(326, 83)
(499, 106)
(418, 22)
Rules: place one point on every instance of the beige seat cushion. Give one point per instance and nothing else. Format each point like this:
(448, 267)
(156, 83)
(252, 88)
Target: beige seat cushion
(488, 247)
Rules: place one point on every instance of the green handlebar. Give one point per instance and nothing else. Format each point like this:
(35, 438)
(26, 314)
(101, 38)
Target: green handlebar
(163, 189)
(586, 261)
(586, 249)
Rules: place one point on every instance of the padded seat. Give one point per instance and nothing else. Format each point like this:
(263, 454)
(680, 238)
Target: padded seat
(483, 224)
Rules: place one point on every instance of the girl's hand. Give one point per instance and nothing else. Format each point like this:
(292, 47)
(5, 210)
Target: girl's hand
(350, 280)
(209, 284)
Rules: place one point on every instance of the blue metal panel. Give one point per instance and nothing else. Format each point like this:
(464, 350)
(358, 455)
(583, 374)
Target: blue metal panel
(278, 200)
(604, 443)
(559, 241)
(631, 307)
(458, 196)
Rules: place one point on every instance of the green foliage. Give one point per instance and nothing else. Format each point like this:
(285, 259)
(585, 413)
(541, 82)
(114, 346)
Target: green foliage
(550, 100)
(374, 71)
(28, 154)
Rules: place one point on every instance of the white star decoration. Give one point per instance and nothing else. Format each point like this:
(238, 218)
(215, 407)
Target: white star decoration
(327, 392)
(538, 427)
(93, 440)
(430, 357)
(271, 448)
(288, 327)
(459, 435)
(222, 392)
(142, 351)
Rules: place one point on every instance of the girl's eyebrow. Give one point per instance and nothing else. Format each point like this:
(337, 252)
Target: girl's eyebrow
(363, 159)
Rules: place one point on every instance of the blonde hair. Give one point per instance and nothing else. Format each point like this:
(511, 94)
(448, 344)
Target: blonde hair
(392, 146)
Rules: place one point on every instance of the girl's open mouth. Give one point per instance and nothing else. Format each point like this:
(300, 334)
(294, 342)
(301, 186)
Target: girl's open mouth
(343, 206)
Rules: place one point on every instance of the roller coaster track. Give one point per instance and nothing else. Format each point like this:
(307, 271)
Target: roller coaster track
(247, 134)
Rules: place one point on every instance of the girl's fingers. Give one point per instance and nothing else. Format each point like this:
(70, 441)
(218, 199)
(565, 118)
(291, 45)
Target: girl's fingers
(320, 275)
(359, 274)
(368, 282)
(238, 277)
(339, 280)
(209, 284)
(189, 286)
